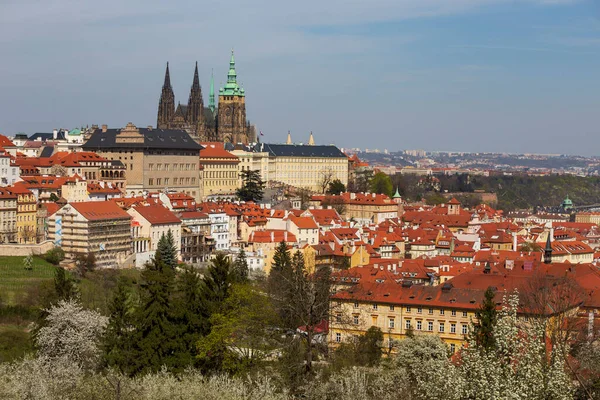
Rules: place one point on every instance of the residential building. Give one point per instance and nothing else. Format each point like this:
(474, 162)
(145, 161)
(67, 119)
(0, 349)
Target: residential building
(101, 228)
(26, 214)
(362, 207)
(155, 221)
(8, 216)
(220, 171)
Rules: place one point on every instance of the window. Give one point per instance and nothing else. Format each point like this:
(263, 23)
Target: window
(452, 348)
(338, 337)
(151, 182)
(419, 324)
(407, 309)
(453, 313)
(430, 326)
(465, 314)
(442, 327)
(464, 329)
(431, 311)
(166, 181)
(391, 308)
(151, 167)
(407, 324)
(338, 316)
(374, 306)
(355, 305)
(391, 323)
(442, 312)
(452, 328)
(158, 181)
(355, 319)
(419, 310)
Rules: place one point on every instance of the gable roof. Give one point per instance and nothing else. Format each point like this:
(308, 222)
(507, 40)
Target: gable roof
(99, 210)
(157, 214)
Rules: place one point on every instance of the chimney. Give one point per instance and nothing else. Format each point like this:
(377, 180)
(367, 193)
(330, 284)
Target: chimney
(104, 128)
(514, 241)
(149, 127)
(55, 134)
(285, 236)
(272, 236)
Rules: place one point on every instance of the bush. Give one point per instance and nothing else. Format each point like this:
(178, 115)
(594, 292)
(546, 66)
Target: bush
(54, 255)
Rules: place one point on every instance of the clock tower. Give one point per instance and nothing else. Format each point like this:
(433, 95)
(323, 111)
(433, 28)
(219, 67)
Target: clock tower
(231, 117)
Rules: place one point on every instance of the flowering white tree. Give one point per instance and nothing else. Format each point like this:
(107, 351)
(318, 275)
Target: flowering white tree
(519, 367)
(71, 333)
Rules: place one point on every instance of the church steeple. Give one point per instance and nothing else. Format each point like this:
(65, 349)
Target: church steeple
(211, 96)
(311, 140)
(195, 102)
(166, 105)
(548, 249)
(231, 87)
(289, 138)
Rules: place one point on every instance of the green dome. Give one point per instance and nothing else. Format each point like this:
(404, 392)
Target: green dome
(75, 132)
(567, 203)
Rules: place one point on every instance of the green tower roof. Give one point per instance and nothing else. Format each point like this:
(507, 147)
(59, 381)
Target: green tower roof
(211, 96)
(397, 194)
(231, 87)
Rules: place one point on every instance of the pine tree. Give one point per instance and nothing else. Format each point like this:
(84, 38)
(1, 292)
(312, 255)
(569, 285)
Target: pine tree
(486, 320)
(216, 283)
(240, 267)
(252, 186)
(117, 342)
(167, 249)
(155, 330)
(63, 285)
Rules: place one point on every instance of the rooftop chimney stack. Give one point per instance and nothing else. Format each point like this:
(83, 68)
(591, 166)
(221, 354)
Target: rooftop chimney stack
(104, 128)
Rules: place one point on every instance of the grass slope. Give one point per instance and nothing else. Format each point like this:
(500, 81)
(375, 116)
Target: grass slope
(15, 280)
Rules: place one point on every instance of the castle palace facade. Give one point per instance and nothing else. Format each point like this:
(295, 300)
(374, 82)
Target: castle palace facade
(227, 123)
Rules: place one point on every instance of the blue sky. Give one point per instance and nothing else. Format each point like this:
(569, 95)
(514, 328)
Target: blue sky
(469, 75)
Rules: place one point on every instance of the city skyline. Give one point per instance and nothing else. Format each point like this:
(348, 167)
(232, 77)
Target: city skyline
(473, 76)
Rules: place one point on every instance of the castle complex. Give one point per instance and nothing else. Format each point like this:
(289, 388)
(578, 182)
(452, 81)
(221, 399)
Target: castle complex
(225, 123)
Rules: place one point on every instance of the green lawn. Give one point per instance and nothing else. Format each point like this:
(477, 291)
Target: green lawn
(14, 342)
(15, 280)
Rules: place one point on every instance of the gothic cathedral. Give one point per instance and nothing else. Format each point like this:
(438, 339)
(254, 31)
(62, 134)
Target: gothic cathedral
(227, 123)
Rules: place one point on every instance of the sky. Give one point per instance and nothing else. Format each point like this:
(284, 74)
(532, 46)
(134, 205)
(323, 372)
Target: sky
(518, 76)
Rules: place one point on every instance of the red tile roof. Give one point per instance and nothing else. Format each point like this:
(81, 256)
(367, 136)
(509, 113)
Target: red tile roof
(304, 222)
(157, 214)
(100, 210)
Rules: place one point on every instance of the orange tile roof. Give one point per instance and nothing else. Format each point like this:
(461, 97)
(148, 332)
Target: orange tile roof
(304, 222)
(216, 150)
(157, 214)
(272, 236)
(100, 210)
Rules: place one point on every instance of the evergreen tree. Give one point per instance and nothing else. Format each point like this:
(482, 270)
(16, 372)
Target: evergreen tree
(216, 283)
(117, 342)
(154, 346)
(167, 249)
(240, 267)
(252, 186)
(486, 316)
(280, 276)
(191, 318)
(336, 187)
(63, 285)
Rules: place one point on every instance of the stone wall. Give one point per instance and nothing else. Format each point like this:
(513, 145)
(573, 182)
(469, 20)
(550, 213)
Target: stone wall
(14, 249)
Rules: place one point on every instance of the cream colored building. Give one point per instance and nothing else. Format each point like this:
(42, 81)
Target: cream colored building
(75, 191)
(156, 221)
(220, 170)
(155, 159)
(101, 228)
(250, 160)
(8, 216)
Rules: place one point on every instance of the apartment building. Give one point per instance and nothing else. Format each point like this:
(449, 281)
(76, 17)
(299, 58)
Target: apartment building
(220, 170)
(101, 228)
(8, 216)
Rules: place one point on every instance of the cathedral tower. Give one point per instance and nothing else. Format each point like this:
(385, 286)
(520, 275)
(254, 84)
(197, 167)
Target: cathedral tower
(166, 105)
(232, 109)
(195, 109)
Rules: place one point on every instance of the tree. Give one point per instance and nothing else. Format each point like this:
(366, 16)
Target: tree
(63, 285)
(336, 187)
(336, 203)
(325, 179)
(369, 347)
(362, 181)
(54, 256)
(381, 184)
(71, 333)
(167, 249)
(58, 170)
(240, 267)
(531, 246)
(216, 283)
(252, 186)
(242, 332)
(53, 197)
(486, 320)
(85, 263)
(155, 331)
(28, 262)
(117, 342)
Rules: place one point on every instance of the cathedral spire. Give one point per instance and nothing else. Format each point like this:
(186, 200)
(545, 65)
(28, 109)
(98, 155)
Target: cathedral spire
(232, 75)
(166, 105)
(195, 103)
(548, 249)
(311, 140)
(167, 83)
(211, 96)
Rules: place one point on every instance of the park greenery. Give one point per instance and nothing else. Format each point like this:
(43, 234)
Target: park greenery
(173, 331)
